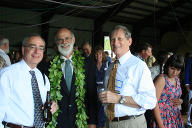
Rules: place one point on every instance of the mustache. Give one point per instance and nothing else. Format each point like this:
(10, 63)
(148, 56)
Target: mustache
(63, 45)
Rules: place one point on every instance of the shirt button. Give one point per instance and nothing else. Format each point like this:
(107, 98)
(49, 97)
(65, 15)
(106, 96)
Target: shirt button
(70, 105)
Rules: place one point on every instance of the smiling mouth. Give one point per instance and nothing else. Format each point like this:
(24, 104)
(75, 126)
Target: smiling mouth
(65, 46)
(35, 56)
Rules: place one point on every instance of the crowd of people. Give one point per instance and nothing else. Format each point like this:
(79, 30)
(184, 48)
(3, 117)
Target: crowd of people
(89, 88)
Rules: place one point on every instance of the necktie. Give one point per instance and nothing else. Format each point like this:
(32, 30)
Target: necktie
(38, 113)
(110, 109)
(68, 74)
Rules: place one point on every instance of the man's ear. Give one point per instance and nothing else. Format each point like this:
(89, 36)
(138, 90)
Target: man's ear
(73, 39)
(130, 41)
(22, 50)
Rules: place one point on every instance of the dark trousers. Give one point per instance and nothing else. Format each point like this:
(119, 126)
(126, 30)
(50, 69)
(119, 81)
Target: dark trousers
(148, 116)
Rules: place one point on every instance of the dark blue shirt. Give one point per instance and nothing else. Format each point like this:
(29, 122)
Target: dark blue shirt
(188, 71)
(101, 73)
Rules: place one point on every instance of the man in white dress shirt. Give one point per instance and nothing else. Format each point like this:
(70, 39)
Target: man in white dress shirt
(16, 95)
(133, 82)
(4, 50)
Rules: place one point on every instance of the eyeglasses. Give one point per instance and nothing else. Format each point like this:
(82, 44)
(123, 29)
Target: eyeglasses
(118, 39)
(65, 39)
(33, 47)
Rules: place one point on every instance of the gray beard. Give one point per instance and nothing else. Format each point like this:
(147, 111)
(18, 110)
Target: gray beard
(65, 52)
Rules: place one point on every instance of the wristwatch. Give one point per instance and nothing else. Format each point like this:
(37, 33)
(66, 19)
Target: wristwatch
(122, 100)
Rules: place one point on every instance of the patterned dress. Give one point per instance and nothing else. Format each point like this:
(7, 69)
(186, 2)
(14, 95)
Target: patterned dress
(170, 115)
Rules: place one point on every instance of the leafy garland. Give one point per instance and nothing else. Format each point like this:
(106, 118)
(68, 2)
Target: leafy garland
(55, 79)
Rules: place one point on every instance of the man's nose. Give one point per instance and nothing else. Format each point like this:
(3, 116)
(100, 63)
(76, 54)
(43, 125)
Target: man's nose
(38, 50)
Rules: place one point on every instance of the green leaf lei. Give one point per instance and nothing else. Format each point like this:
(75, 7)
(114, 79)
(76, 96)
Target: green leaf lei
(55, 79)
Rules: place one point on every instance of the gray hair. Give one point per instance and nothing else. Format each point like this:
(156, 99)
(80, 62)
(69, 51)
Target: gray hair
(24, 43)
(3, 41)
(125, 30)
(72, 34)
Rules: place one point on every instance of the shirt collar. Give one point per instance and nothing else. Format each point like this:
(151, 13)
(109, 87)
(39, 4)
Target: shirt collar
(125, 57)
(2, 50)
(63, 57)
(27, 66)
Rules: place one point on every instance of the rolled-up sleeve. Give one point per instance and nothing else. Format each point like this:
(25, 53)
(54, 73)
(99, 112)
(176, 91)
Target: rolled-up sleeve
(146, 94)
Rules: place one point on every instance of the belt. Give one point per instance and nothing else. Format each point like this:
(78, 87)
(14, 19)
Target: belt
(15, 125)
(126, 117)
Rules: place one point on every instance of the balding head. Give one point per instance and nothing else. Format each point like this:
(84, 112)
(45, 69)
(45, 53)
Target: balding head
(65, 41)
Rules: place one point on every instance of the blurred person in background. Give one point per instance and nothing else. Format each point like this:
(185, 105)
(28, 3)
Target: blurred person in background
(188, 85)
(17, 57)
(4, 50)
(109, 59)
(144, 51)
(157, 68)
(2, 62)
(150, 61)
(87, 50)
(101, 66)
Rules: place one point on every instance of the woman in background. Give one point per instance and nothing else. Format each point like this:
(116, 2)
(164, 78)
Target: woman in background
(101, 67)
(168, 91)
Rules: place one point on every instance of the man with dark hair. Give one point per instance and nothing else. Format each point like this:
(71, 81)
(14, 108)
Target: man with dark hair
(144, 51)
(108, 57)
(87, 49)
(129, 87)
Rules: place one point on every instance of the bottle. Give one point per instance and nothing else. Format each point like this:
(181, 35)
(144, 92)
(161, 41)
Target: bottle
(47, 108)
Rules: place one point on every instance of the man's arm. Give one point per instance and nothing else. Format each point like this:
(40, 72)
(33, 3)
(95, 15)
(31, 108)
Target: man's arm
(110, 97)
(145, 96)
(4, 96)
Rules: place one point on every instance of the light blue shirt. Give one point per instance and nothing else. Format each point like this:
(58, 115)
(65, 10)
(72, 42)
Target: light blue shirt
(133, 79)
(16, 97)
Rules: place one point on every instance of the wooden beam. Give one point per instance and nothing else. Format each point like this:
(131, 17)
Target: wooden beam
(98, 33)
(23, 4)
(112, 12)
(45, 18)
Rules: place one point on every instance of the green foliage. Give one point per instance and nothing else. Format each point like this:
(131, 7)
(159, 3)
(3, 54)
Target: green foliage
(55, 79)
(78, 63)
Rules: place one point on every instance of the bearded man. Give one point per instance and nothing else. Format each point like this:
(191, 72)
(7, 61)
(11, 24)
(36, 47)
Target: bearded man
(73, 66)
(4, 50)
